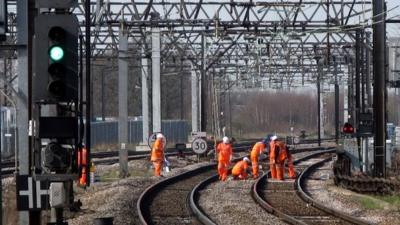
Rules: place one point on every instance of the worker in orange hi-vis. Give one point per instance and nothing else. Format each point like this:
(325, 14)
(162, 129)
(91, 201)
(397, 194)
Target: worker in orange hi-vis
(273, 153)
(292, 171)
(257, 149)
(239, 171)
(224, 151)
(157, 154)
(283, 155)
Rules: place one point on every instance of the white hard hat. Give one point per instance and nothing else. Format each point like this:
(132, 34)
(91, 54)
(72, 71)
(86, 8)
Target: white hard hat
(160, 135)
(273, 138)
(225, 140)
(246, 159)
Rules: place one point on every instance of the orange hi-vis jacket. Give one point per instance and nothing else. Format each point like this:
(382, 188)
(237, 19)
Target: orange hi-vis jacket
(157, 153)
(224, 152)
(257, 149)
(276, 149)
(239, 168)
(272, 150)
(283, 152)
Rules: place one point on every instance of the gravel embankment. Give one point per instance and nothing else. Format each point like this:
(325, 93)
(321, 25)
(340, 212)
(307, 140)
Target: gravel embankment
(323, 189)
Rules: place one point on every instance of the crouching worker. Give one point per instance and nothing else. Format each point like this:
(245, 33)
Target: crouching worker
(239, 171)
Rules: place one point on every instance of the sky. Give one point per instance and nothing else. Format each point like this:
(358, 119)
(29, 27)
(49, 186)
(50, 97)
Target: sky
(393, 30)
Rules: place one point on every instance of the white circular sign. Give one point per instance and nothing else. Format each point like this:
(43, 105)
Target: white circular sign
(152, 139)
(296, 140)
(199, 145)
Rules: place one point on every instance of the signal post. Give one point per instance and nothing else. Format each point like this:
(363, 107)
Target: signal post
(57, 156)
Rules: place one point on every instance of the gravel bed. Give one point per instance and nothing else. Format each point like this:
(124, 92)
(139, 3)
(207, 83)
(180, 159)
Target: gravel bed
(118, 198)
(323, 190)
(231, 203)
(171, 205)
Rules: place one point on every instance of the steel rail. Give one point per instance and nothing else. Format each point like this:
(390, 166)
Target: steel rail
(142, 202)
(194, 195)
(269, 208)
(290, 219)
(307, 198)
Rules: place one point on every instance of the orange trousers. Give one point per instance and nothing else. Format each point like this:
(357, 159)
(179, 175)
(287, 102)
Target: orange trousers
(157, 167)
(240, 176)
(223, 170)
(254, 165)
(280, 170)
(272, 168)
(292, 172)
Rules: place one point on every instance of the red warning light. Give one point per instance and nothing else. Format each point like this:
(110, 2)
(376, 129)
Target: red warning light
(348, 128)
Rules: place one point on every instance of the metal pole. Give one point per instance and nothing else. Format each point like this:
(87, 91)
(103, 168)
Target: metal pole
(1, 167)
(145, 96)
(357, 77)
(230, 108)
(379, 88)
(358, 90)
(195, 101)
(156, 91)
(103, 118)
(203, 102)
(23, 103)
(88, 53)
(336, 106)
(345, 102)
(181, 74)
(350, 92)
(365, 155)
(123, 101)
(319, 102)
(368, 71)
(362, 72)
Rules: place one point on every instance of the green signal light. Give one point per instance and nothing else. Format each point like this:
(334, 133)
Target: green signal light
(56, 53)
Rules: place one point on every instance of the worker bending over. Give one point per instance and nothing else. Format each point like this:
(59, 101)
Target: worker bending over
(239, 171)
(157, 154)
(272, 156)
(257, 149)
(279, 153)
(224, 151)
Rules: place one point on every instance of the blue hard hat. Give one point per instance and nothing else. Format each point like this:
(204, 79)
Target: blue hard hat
(267, 139)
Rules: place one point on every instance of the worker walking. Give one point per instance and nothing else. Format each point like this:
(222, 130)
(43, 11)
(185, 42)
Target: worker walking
(157, 154)
(239, 171)
(257, 149)
(224, 151)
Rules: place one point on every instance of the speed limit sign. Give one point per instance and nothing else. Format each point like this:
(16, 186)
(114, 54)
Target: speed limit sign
(199, 145)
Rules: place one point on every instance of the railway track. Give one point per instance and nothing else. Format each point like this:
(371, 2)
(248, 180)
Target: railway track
(154, 205)
(166, 202)
(290, 201)
(237, 197)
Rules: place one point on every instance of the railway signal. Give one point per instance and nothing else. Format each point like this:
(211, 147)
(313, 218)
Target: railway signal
(56, 111)
(56, 66)
(348, 128)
